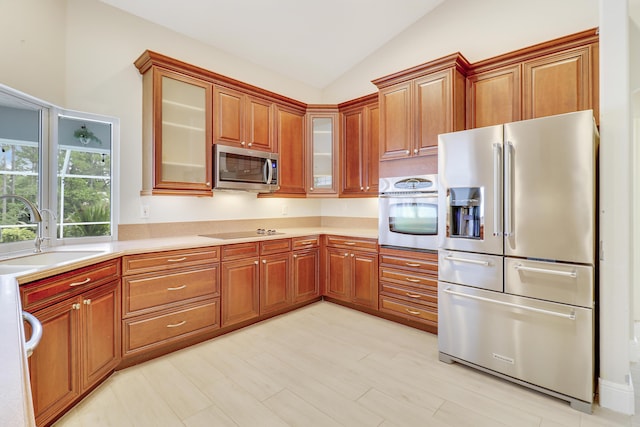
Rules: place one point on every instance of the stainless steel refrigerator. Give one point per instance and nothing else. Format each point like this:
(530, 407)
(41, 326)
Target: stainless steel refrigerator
(517, 252)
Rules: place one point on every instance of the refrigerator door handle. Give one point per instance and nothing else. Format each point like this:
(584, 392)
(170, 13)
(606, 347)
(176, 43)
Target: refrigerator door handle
(571, 274)
(570, 316)
(497, 189)
(507, 189)
(468, 261)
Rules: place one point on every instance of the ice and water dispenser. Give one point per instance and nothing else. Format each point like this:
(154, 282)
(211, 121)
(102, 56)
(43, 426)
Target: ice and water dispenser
(465, 212)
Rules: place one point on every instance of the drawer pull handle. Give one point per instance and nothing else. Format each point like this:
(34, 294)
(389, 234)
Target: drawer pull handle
(410, 295)
(350, 243)
(85, 281)
(177, 288)
(415, 313)
(409, 279)
(307, 242)
(175, 325)
(176, 259)
(412, 264)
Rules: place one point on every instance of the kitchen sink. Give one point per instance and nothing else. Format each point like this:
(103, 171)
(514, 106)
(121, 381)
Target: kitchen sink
(240, 234)
(47, 258)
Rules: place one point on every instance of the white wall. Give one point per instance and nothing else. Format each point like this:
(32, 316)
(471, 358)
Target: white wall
(477, 29)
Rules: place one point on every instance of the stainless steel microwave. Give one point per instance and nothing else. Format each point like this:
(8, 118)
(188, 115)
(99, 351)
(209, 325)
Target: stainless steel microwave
(243, 169)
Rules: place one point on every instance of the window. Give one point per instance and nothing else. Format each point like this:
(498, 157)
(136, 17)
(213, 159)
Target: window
(63, 162)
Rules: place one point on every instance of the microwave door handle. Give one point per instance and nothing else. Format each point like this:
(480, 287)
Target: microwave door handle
(497, 190)
(268, 174)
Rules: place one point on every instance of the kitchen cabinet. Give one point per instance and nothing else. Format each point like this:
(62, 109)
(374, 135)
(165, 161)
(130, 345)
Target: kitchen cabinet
(80, 346)
(177, 129)
(409, 286)
(306, 268)
(290, 129)
(169, 297)
(240, 282)
(418, 104)
(554, 77)
(351, 270)
(494, 96)
(322, 143)
(275, 275)
(243, 120)
(359, 145)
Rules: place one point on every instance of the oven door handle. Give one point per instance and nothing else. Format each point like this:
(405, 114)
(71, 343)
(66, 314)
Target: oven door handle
(570, 316)
(409, 196)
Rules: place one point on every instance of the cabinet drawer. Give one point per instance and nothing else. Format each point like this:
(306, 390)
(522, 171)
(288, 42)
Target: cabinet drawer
(64, 285)
(275, 246)
(142, 332)
(408, 278)
(305, 242)
(421, 265)
(157, 261)
(370, 245)
(240, 250)
(410, 294)
(423, 312)
(150, 290)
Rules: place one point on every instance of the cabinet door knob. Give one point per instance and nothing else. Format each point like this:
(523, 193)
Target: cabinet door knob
(361, 188)
(242, 143)
(264, 261)
(368, 188)
(352, 255)
(295, 255)
(407, 152)
(87, 301)
(75, 306)
(346, 254)
(415, 151)
(311, 189)
(250, 144)
(255, 262)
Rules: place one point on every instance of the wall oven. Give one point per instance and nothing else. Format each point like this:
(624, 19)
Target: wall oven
(408, 212)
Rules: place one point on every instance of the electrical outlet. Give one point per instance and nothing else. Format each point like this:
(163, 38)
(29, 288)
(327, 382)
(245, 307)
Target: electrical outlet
(285, 210)
(144, 211)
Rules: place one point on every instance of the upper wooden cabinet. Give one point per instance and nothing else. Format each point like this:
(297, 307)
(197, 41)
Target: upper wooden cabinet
(243, 120)
(418, 104)
(322, 148)
(359, 147)
(186, 109)
(177, 131)
(292, 149)
(554, 77)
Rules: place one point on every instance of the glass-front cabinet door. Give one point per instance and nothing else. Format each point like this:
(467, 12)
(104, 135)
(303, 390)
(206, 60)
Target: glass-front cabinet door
(180, 148)
(322, 139)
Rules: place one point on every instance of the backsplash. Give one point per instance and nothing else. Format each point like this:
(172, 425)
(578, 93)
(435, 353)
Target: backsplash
(175, 229)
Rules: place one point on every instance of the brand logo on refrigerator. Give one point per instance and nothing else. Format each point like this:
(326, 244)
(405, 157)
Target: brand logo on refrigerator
(504, 358)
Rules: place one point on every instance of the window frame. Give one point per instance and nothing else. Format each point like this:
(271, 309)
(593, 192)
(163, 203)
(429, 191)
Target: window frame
(48, 169)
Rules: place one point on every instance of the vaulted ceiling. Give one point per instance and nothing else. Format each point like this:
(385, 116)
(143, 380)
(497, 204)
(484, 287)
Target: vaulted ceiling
(314, 42)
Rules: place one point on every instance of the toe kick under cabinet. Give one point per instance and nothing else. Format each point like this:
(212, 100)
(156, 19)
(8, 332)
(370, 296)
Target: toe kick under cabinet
(169, 297)
(409, 286)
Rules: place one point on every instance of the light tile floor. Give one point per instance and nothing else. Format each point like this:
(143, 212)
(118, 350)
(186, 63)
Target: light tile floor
(323, 365)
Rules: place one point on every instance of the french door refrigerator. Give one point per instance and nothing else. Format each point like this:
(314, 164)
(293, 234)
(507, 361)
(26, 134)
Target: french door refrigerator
(517, 252)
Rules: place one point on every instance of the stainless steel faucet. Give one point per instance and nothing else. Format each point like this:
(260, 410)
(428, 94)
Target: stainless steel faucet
(36, 217)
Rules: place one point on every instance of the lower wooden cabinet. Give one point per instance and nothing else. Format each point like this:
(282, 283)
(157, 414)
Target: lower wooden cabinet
(409, 286)
(240, 290)
(80, 342)
(306, 275)
(169, 297)
(351, 270)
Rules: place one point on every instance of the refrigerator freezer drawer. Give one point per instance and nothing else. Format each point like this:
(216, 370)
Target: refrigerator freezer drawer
(479, 270)
(551, 281)
(547, 345)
